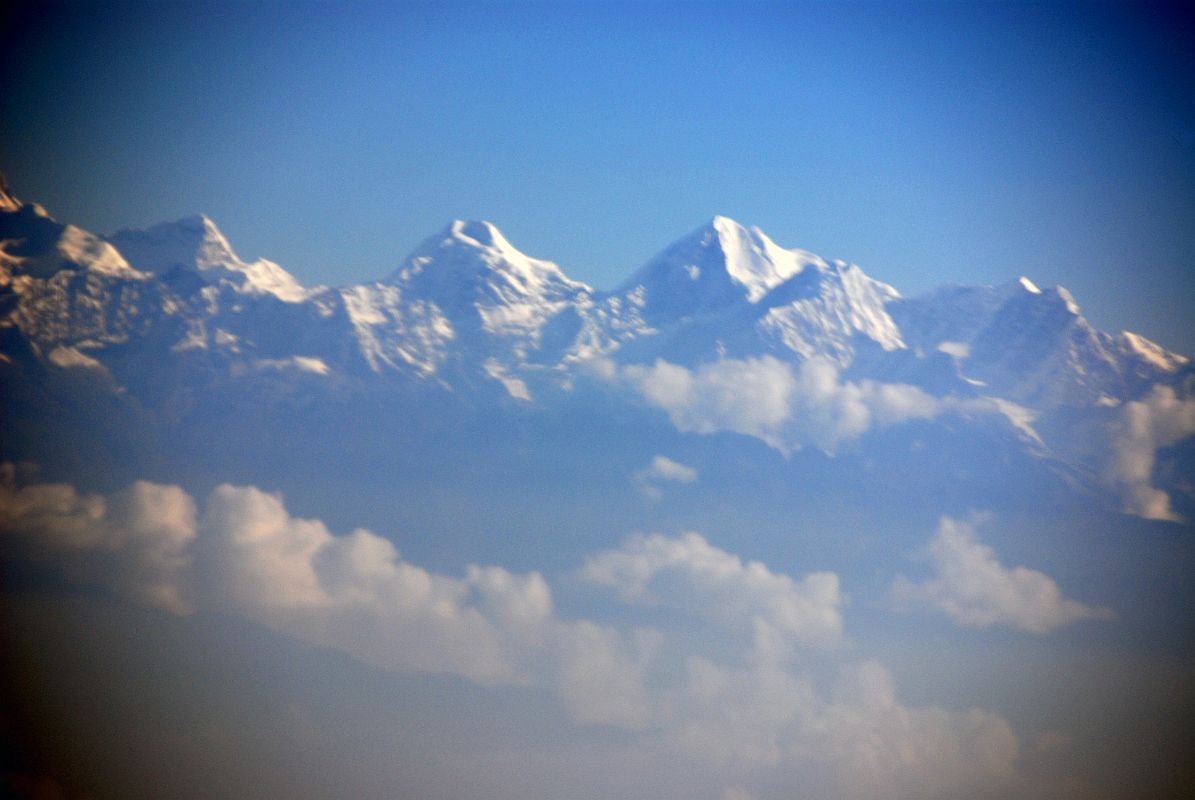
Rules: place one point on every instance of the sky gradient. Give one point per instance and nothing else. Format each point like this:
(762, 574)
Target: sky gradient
(927, 142)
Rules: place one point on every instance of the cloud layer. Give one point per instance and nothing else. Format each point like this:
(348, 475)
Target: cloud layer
(747, 714)
(246, 555)
(136, 542)
(975, 590)
(785, 408)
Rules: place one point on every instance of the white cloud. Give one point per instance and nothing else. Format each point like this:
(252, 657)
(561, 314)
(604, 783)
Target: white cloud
(765, 398)
(665, 469)
(975, 590)
(751, 397)
(602, 677)
(740, 717)
(959, 350)
(789, 409)
(247, 555)
(135, 542)
(357, 594)
(1158, 420)
(661, 470)
(689, 573)
(748, 718)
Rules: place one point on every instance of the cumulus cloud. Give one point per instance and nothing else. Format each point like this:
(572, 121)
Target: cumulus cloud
(661, 470)
(602, 677)
(975, 590)
(751, 397)
(743, 711)
(758, 714)
(765, 398)
(788, 408)
(247, 555)
(761, 714)
(689, 573)
(134, 542)
(1158, 420)
(357, 594)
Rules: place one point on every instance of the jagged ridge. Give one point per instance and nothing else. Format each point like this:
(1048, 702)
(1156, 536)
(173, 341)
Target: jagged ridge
(467, 305)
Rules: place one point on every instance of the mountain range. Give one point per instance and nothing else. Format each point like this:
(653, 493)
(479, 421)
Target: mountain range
(144, 332)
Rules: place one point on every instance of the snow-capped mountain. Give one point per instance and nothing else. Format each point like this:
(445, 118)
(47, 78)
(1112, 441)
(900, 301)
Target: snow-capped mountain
(172, 315)
(499, 301)
(1033, 345)
(37, 247)
(721, 264)
(195, 247)
(473, 273)
(730, 288)
(467, 297)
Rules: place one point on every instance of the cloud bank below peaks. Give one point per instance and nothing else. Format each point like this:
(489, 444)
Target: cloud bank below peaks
(788, 408)
(1158, 420)
(975, 590)
(742, 715)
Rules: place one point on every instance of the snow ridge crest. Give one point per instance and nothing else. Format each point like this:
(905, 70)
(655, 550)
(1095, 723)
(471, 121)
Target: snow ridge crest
(195, 244)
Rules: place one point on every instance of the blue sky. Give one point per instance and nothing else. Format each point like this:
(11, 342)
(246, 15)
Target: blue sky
(926, 142)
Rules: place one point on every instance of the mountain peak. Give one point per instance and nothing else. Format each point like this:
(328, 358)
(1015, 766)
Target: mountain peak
(191, 242)
(471, 253)
(717, 265)
(754, 260)
(1030, 292)
(482, 283)
(721, 223)
(196, 244)
(199, 223)
(10, 203)
(7, 201)
(481, 233)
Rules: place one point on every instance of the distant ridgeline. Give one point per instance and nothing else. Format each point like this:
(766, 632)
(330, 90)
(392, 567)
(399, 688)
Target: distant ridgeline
(154, 351)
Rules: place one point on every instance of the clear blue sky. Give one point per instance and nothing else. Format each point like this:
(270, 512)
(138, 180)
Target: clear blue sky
(966, 142)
